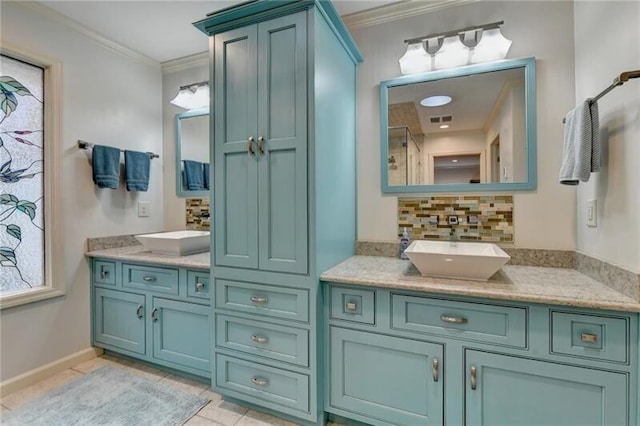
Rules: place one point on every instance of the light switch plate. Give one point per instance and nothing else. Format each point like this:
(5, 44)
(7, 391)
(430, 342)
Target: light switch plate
(592, 213)
(144, 209)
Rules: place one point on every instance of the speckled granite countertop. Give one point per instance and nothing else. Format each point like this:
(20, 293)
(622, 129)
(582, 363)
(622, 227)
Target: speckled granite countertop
(555, 286)
(139, 254)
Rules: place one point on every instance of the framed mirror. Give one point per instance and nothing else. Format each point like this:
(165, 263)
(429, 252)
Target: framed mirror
(470, 128)
(192, 154)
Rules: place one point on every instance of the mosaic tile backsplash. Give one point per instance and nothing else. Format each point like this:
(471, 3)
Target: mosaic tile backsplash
(480, 218)
(198, 215)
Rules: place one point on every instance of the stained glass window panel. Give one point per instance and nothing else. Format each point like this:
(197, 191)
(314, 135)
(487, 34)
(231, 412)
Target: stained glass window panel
(21, 176)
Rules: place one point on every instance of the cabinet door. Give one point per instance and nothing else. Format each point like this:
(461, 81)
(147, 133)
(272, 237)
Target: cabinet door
(119, 320)
(516, 391)
(282, 144)
(182, 333)
(235, 118)
(387, 379)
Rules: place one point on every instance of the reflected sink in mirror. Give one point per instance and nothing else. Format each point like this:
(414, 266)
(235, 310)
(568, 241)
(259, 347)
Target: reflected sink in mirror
(176, 243)
(453, 259)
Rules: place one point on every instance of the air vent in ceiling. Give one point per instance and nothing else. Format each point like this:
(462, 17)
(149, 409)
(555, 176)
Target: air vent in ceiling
(446, 118)
(434, 119)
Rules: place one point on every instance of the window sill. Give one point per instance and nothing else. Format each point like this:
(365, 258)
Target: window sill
(29, 296)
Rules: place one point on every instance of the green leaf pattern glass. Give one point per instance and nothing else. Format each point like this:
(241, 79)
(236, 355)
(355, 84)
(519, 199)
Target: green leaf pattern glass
(21, 175)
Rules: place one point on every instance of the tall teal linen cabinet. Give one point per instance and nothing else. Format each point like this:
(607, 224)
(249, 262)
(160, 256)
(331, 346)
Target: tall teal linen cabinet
(284, 194)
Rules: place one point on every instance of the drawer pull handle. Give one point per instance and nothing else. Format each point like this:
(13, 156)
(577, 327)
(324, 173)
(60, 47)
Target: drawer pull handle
(474, 377)
(453, 320)
(259, 339)
(154, 315)
(139, 312)
(589, 338)
(149, 278)
(259, 299)
(259, 381)
(435, 369)
(199, 286)
(104, 273)
(352, 306)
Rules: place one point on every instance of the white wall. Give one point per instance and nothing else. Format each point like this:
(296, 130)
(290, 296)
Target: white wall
(544, 218)
(174, 207)
(107, 99)
(607, 38)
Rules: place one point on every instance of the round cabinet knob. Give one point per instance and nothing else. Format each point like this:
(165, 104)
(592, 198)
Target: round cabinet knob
(199, 286)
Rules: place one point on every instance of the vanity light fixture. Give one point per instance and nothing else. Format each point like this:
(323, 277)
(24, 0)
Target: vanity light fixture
(470, 45)
(435, 101)
(192, 96)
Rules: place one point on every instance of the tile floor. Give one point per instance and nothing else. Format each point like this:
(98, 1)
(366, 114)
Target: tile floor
(217, 412)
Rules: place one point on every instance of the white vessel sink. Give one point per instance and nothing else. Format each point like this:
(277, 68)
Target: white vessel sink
(178, 243)
(453, 259)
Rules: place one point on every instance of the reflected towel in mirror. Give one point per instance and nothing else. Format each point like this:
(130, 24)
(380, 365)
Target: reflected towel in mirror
(205, 175)
(193, 175)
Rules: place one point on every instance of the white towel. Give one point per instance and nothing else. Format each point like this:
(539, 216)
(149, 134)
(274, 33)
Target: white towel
(581, 152)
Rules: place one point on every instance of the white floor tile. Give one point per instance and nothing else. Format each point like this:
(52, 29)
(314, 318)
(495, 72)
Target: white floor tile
(93, 364)
(200, 421)
(225, 413)
(256, 418)
(211, 395)
(186, 385)
(144, 370)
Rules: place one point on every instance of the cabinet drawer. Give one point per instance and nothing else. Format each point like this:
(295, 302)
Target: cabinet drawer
(266, 300)
(466, 320)
(353, 305)
(590, 336)
(198, 284)
(161, 280)
(263, 382)
(273, 341)
(104, 273)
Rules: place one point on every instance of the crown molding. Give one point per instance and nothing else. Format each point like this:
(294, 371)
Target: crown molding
(184, 63)
(399, 10)
(58, 17)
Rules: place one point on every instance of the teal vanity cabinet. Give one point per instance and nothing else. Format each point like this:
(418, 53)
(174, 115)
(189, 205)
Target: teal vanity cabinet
(154, 313)
(283, 149)
(404, 358)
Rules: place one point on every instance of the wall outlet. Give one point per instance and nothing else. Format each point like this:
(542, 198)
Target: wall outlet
(144, 209)
(592, 213)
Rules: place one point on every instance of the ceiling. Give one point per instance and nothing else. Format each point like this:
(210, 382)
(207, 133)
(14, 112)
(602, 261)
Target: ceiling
(162, 30)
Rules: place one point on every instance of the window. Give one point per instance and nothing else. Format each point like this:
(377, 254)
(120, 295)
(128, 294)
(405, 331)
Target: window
(29, 177)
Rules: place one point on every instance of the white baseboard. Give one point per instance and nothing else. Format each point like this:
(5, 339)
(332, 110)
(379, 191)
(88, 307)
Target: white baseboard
(37, 374)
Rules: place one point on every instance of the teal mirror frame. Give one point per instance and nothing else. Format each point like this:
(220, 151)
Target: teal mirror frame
(180, 191)
(529, 65)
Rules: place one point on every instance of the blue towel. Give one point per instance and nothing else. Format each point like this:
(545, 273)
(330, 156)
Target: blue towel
(106, 166)
(193, 175)
(136, 168)
(205, 175)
